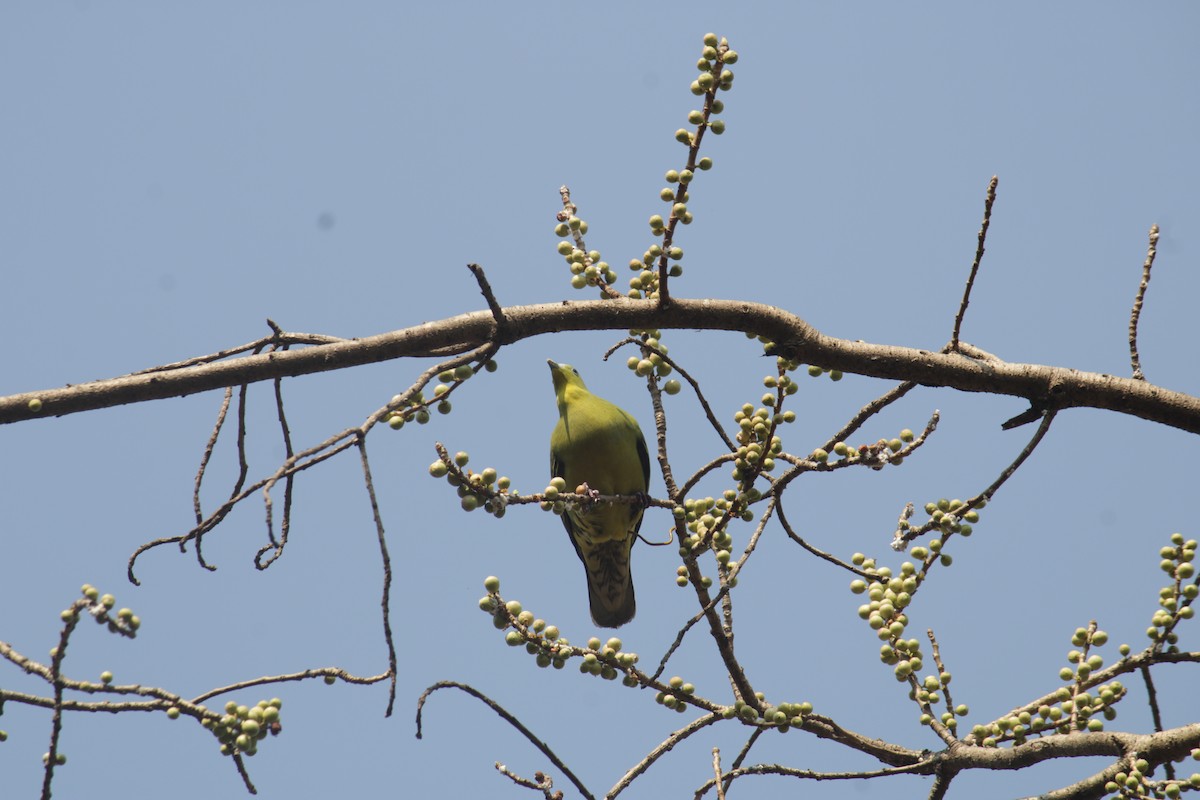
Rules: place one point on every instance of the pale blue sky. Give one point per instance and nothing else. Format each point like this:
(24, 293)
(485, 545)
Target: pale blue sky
(164, 173)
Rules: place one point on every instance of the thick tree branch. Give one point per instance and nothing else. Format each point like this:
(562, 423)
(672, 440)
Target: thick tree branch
(1054, 387)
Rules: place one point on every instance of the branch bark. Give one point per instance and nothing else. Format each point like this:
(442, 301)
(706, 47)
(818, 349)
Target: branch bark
(1042, 386)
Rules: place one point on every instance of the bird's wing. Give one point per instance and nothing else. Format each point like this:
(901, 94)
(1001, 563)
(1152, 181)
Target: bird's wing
(644, 457)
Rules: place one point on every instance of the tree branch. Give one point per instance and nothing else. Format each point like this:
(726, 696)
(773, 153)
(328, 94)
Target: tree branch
(1055, 386)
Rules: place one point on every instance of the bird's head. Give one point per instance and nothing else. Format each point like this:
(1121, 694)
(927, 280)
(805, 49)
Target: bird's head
(564, 375)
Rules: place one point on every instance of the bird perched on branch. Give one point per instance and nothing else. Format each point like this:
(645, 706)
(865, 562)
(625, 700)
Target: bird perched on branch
(597, 445)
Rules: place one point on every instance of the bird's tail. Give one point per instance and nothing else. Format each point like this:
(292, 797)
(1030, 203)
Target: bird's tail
(610, 584)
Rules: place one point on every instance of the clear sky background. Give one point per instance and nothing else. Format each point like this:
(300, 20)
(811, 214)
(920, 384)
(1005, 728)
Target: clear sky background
(173, 174)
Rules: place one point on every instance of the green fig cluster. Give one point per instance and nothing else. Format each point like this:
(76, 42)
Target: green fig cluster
(888, 595)
(707, 521)
(816, 372)
(781, 716)
(241, 728)
(1175, 600)
(676, 698)
(546, 644)
(1067, 711)
(486, 489)
(757, 443)
(553, 496)
(1135, 782)
(946, 518)
(930, 691)
(953, 516)
(875, 455)
(713, 65)
(586, 266)
(417, 407)
(785, 716)
(1071, 708)
(123, 621)
(651, 360)
(714, 76)
(644, 285)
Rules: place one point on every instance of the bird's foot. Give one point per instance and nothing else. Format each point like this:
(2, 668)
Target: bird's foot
(587, 491)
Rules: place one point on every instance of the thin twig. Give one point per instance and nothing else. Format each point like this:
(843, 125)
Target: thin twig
(903, 537)
(274, 545)
(1136, 314)
(206, 456)
(494, 306)
(541, 781)
(983, 229)
(510, 719)
(59, 654)
(1156, 715)
(309, 458)
(869, 410)
(1009, 471)
(1152, 696)
(779, 769)
(256, 347)
(937, 660)
(240, 763)
(795, 537)
(243, 463)
(385, 601)
(718, 598)
(708, 412)
(661, 749)
(742, 756)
